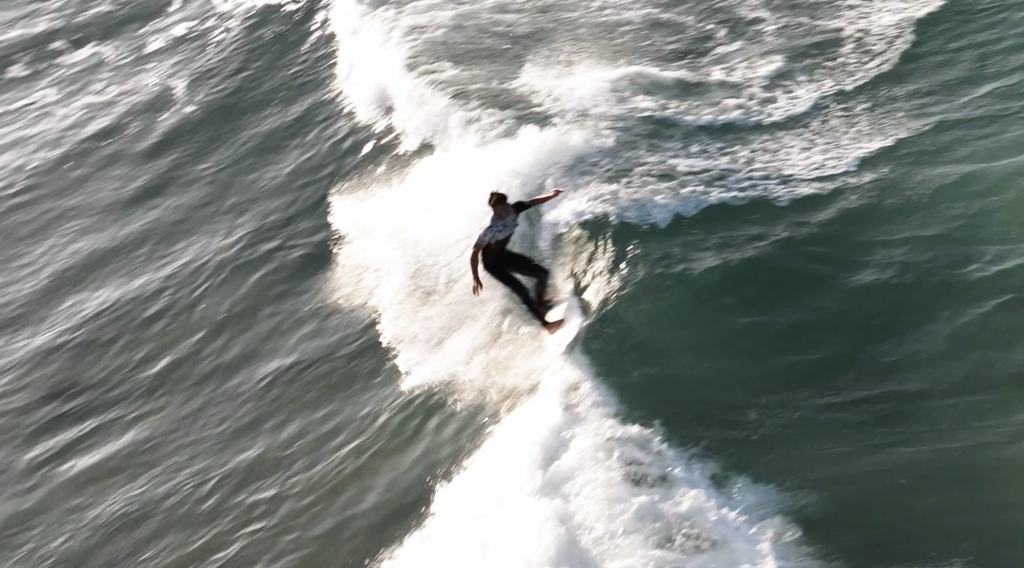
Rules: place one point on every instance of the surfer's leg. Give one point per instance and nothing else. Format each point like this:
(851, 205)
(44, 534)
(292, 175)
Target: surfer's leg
(525, 265)
(497, 269)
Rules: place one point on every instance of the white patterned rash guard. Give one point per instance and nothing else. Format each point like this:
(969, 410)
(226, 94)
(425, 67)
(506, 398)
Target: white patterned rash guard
(498, 233)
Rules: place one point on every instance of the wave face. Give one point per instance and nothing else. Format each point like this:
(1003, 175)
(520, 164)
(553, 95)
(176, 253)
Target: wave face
(643, 111)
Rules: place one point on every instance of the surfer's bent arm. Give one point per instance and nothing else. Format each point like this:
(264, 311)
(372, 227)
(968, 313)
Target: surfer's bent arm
(474, 261)
(541, 199)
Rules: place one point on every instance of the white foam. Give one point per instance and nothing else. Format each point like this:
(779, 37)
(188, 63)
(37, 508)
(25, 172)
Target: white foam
(248, 5)
(872, 36)
(376, 86)
(561, 481)
(750, 79)
(405, 252)
(626, 92)
(658, 180)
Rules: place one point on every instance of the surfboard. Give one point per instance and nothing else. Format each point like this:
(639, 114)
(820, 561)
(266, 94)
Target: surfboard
(570, 311)
(557, 312)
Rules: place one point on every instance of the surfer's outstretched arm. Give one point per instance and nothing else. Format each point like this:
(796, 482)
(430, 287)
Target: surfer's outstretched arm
(474, 261)
(540, 199)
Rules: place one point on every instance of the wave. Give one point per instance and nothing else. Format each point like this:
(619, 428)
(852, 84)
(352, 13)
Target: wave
(561, 479)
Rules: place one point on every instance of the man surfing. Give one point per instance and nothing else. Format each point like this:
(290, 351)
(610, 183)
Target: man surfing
(501, 263)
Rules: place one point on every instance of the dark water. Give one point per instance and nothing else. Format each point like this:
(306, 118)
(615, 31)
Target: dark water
(237, 320)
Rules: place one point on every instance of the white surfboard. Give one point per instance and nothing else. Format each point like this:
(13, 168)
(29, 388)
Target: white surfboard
(572, 313)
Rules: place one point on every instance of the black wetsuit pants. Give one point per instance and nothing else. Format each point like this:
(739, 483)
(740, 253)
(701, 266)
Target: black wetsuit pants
(503, 264)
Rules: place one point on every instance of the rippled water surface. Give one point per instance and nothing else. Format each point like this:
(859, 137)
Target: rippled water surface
(237, 322)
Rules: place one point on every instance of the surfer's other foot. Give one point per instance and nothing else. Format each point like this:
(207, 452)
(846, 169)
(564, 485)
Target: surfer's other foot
(553, 326)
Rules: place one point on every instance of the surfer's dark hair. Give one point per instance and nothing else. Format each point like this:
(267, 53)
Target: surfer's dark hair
(497, 198)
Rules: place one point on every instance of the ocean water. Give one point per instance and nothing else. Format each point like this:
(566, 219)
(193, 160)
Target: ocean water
(237, 320)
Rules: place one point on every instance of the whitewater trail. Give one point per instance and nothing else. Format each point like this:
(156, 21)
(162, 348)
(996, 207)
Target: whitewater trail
(561, 480)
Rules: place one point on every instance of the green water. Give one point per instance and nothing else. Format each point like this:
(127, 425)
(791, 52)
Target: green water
(860, 349)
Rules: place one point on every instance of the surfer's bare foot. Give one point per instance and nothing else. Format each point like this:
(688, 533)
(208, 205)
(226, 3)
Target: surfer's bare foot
(553, 326)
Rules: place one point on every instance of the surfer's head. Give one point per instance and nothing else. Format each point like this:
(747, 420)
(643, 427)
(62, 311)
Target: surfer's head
(497, 199)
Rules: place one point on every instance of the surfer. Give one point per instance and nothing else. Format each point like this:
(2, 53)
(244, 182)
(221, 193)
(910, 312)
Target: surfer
(501, 263)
